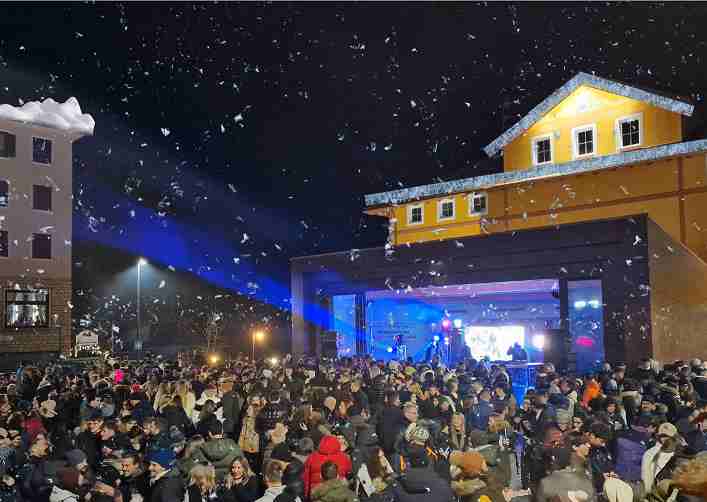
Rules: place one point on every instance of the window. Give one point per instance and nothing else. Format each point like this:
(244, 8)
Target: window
(4, 249)
(583, 140)
(445, 209)
(477, 204)
(630, 130)
(415, 215)
(4, 193)
(542, 150)
(27, 309)
(42, 150)
(7, 145)
(42, 246)
(42, 198)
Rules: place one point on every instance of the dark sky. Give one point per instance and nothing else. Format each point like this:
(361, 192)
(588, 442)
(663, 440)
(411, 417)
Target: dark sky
(233, 136)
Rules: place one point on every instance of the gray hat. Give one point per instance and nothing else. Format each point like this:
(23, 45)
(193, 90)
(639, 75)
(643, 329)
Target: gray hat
(75, 457)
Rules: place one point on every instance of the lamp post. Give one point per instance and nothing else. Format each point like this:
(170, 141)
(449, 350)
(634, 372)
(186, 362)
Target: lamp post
(257, 335)
(140, 263)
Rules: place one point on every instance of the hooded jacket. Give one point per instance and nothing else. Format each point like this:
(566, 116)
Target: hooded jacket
(169, 488)
(334, 490)
(329, 451)
(220, 453)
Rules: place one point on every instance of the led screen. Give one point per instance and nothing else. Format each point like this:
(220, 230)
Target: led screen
(493, 341)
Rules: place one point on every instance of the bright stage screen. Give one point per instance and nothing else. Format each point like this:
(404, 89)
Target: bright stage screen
(493, 341)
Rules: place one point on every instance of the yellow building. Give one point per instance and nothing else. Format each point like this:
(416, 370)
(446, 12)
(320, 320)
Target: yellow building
(595, 149)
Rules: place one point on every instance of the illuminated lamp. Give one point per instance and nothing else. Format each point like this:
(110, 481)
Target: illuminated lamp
(273, 361)
(539, 342)
(389, 349)
(580, 304)
(595, 304)
(436, 338)
(457, 323)
(446, 323)
(446, 340)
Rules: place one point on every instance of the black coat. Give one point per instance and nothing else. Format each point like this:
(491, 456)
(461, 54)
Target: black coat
(90, 445)
(249, 492)
(169, 488)
(139, 484)
(176, 416)
(422, 484)
(390, 422)
(232, 404)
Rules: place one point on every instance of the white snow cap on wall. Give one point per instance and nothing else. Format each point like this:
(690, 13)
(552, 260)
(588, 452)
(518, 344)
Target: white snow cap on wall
(65, 116)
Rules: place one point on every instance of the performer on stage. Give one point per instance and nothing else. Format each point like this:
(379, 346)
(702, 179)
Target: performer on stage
(399, 347)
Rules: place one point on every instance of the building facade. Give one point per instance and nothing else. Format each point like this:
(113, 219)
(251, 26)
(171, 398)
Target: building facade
(36, 226)
(600, 193)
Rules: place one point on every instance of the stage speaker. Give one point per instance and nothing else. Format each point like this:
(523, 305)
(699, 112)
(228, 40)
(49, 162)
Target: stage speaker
(329, 348)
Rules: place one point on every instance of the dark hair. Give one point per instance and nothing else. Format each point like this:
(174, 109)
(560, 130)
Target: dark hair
(330, 470)
(160, 422)
(111, 425)
(274, 396)
(215, 428)
(273, 471)
(374, 464)
(134, 457)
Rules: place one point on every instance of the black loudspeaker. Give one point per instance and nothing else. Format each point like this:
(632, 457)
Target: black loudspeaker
(329, 348)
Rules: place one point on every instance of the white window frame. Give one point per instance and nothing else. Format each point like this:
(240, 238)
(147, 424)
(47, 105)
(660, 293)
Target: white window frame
(409, 211)
(575, 141)
(534, 150)
(619, 136)
(473, 196)
(441, 204)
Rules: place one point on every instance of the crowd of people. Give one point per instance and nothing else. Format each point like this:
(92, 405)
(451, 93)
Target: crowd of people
(312, 430)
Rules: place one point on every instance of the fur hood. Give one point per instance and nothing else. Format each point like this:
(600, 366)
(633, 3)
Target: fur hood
(464, 487)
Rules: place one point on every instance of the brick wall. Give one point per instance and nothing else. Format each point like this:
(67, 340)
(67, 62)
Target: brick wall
(55, 338)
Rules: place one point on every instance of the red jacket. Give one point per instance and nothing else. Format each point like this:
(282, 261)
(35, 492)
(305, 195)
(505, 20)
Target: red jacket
(329, 451)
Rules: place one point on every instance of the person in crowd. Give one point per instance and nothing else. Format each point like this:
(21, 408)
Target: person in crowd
(134, 480)
(220, 451)
(202, 484)
(329, 450)
(273, 481)
(241, 484)
(67, 487)
(166, 485)
(332, 488)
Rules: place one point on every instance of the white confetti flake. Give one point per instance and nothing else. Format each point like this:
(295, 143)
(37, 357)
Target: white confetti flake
(223, 129)
(162, 284)
(165, 131)
(412, 103)
(238, 118)
(637, 240)
(236, 260)
(245, 238)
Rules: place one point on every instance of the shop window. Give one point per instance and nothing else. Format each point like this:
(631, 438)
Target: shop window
(27, 309)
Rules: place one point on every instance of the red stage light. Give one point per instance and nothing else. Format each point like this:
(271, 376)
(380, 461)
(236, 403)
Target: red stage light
(585, 341)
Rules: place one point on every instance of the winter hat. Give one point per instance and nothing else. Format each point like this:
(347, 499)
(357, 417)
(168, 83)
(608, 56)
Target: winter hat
(68, 478)
(563, 416)
(75, 457)
(164, 457)
(416, 434)
(48, 408)
(667, 429)
(470, 462)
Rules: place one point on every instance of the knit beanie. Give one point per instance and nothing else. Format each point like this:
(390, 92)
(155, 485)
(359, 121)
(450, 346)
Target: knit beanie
(164, 457)
(416, 434)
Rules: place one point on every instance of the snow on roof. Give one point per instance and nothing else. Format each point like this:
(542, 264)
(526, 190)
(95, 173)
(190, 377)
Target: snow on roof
(541, 172)
(65, 116)
(656, 99)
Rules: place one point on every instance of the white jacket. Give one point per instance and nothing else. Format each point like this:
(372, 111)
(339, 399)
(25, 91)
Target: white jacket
(652, 463)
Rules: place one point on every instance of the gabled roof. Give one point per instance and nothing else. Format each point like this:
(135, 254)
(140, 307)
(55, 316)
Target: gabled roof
(660, 100)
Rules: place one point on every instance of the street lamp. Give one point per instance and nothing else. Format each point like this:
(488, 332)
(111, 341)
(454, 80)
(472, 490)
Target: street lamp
(257, 335)
(140, 263)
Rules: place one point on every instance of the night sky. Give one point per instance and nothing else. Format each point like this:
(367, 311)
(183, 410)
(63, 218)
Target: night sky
(231, 137)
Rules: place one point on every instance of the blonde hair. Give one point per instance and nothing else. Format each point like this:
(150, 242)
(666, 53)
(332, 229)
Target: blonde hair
(691, 477)
(204, 476)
